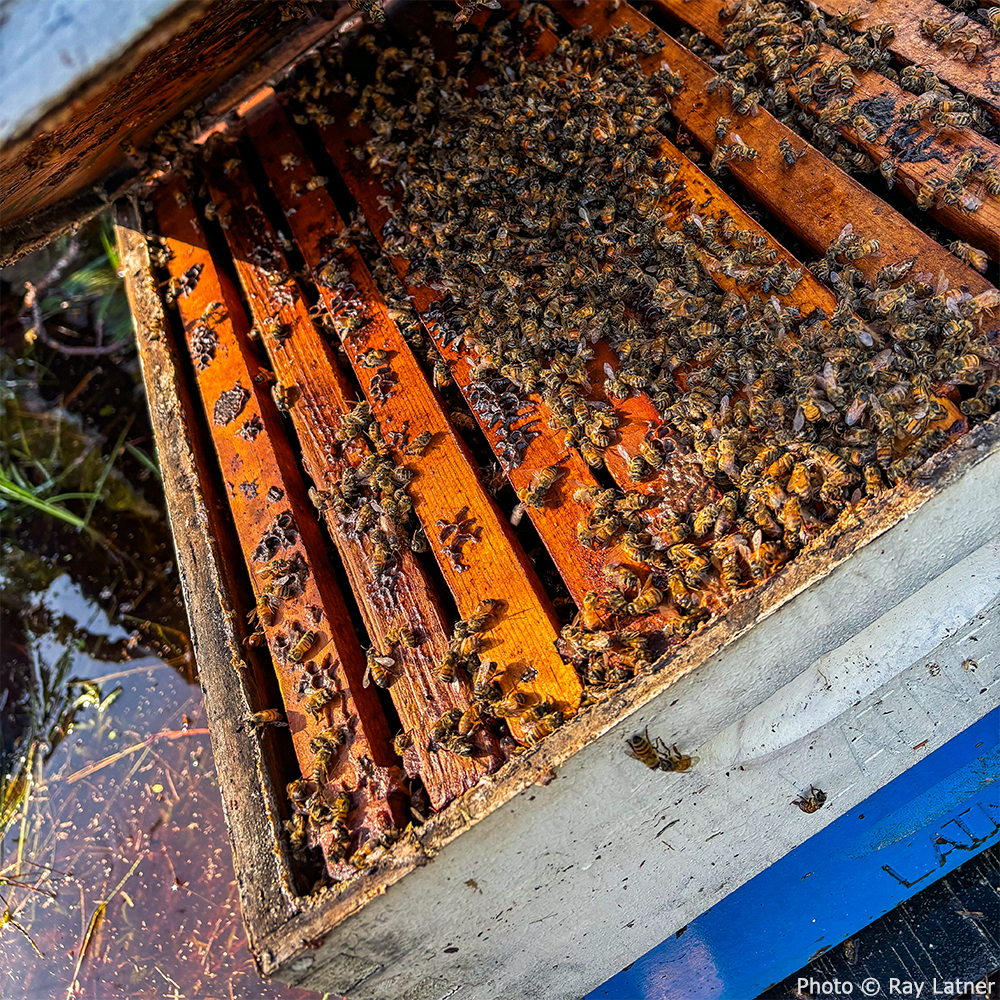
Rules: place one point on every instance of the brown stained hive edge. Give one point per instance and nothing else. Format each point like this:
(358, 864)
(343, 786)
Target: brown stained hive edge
(815, 199)
(322, 912)
(980, 227)
(375, 784)
(305, 359)
(315, 214)
(205, 550)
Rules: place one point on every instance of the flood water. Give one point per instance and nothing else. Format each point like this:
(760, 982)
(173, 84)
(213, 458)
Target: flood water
(124, 877)
(116, 877)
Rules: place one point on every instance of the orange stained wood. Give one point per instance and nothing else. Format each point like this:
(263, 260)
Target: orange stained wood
(943, 150)
(447, 488)
(267, 498)
(815, 199)
(404, 595)
(979, 78)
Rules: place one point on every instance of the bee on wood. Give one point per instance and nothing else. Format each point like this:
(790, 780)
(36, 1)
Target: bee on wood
(970, 255)
(378, 669)
(545, 726)
(788, 154)
(640, 747)
(264, 610)
(513, 704)
(342, 806)
(284, 396)
(302, 645)
(647, 600)
(535, 494)
(671, 759)
(446, 671)
(590, 611)
(298, 833)
(256, 638)
(401, 635)
(267, 717)
(811, 802)
(316, 701)
(419, 444)
(722, 127)
(402, 741)
(375, 358)
(334, 736)
(298, 791)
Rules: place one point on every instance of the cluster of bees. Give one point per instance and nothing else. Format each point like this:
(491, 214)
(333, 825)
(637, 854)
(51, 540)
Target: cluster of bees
(534, 203)
(770, 46)
(371, 500)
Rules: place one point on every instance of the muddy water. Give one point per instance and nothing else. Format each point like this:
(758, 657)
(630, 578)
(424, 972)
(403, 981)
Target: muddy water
(124, 878)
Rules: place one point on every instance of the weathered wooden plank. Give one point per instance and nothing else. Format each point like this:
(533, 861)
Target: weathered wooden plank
(980, 78)
(88, 143)
(402, 595)
(814, 199)
(494, 566)
(272, 517)
(205, 551)
(943, 151)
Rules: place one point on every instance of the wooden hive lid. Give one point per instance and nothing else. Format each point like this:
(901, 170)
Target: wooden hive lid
(88, 85)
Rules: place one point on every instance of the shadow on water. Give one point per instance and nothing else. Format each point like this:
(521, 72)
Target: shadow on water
(116, 878)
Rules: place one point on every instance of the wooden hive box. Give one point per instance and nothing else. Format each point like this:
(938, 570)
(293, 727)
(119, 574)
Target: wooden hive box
(535, 867)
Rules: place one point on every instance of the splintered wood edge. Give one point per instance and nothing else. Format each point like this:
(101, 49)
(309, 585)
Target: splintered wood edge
(322, 912)
(250, 806)
(815, 215)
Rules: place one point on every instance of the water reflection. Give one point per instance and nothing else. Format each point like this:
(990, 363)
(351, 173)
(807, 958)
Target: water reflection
(120, 873)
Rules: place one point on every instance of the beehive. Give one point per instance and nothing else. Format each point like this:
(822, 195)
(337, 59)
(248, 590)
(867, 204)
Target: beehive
(293, 374)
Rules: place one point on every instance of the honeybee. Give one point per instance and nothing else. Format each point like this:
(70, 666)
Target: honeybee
(448, 667)
(342, 806)
(640, 747)
(379, 670)
(298, 830)
(788, 155)
(513, 704)
(316, 701)
(401, 635)
(264, 610)
(284, 396)
(267, 717)
(811, 802)
(545, 726)
(992, 15)
(671, 759)
(648, 598)
(419, 444)
(935, 31)
(302, 646)
(298, 791)
(590, 613)
(333, 737)
(535, 494)
(970, 255)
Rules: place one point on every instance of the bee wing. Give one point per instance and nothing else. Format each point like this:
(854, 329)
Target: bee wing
(848, 230)
(366, 681)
